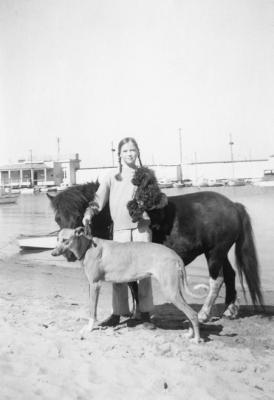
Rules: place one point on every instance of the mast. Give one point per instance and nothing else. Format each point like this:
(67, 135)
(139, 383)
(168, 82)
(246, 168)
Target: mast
(231, 144)
(181, 156)
(112, 153)
(31, 170)
(58, 148)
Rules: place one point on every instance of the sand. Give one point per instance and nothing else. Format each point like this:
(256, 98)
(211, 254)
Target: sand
(43, 306)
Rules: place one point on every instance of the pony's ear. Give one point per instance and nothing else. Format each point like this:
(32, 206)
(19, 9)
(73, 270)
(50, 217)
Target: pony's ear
(79, 231)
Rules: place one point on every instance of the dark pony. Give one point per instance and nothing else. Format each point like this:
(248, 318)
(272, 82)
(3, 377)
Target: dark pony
(192, 224)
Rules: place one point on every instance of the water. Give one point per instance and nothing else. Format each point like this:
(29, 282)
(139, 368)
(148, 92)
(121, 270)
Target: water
(33, 215)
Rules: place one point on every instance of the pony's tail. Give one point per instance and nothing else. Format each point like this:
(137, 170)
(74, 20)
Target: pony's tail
(246, 258)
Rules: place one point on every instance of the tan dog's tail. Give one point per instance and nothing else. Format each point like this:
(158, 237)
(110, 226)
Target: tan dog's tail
(184, 284)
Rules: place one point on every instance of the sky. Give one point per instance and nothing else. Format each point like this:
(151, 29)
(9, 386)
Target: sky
(92, 72)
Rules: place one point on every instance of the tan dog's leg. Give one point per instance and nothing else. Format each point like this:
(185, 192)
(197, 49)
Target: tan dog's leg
(94, 289)
(194, 332)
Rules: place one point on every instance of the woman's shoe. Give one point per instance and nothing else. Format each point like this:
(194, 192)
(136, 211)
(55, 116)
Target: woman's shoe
(112, 320)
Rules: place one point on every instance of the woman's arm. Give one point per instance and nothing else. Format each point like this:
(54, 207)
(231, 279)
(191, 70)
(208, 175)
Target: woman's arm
(100, 199)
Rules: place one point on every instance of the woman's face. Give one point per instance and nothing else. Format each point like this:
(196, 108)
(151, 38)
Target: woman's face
(129, 153)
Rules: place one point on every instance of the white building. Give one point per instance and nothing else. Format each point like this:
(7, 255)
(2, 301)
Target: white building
(40, 173)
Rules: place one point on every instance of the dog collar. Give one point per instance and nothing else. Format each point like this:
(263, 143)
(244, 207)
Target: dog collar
(83, 253)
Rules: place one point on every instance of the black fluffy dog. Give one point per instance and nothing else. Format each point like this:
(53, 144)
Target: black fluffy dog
(148, 195)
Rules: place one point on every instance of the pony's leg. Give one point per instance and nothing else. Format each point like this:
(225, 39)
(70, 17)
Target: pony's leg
(214, 289)
(215, 283)
(231, 302)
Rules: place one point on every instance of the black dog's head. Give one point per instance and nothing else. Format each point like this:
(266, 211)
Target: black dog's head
(143, 176)
(147, 195)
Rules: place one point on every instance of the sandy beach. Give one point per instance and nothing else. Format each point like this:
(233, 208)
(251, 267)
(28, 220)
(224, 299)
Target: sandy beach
(44, 304)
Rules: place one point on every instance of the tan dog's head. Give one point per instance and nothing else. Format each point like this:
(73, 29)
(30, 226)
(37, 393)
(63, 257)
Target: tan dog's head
(73, 240)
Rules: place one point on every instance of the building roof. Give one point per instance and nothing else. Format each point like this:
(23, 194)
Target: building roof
(25, 165)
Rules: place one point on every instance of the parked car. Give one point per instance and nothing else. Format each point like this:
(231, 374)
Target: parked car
(187, 182)
(165, 183)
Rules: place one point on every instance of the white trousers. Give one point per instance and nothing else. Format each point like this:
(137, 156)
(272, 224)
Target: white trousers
(120, 290)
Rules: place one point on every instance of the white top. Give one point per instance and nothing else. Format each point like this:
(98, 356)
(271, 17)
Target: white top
(119, 193)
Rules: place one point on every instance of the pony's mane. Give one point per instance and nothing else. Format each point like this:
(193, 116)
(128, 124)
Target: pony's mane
(74, 199)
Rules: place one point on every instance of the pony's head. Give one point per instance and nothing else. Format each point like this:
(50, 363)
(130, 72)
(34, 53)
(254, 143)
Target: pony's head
(69, 207)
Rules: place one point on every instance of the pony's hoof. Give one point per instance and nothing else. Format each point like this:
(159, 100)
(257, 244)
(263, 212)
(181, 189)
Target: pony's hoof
(232, 310)
(196, 340)
(193, 338)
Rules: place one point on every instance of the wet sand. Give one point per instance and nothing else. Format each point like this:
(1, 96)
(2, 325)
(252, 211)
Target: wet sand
(44, 304)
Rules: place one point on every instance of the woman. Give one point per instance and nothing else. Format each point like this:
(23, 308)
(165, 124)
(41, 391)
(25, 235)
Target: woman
(119, 190)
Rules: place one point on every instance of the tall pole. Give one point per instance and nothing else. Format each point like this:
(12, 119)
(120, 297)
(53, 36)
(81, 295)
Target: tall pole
(180, 146)
(58, 149)
(231, 143)
(195, 161)
(181, 155)
(112, 153)
(31, 171)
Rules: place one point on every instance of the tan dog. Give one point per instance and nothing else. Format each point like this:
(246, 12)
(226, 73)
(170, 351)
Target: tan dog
(106, 260)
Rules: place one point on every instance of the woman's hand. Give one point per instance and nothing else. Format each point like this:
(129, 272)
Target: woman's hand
(92, 210)
(89, 214)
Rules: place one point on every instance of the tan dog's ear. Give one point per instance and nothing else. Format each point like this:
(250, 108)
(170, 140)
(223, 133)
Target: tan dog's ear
(79, 231)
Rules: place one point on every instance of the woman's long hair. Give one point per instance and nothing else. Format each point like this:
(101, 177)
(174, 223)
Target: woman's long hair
(120, 145)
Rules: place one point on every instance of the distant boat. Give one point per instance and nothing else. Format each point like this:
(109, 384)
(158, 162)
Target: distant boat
(44, 189)
(213, 183)
(178, 185)
(63, 186)
(54, 188)
(15, 191)
(183, 183)
(236, 182)
(8, 198)
(37, 242)
(187, 182)
(29, 190)
(164, 184)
